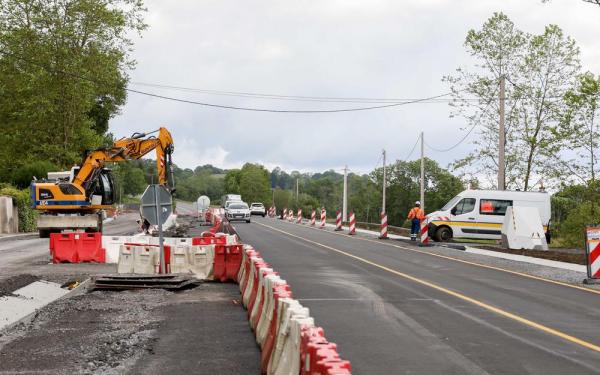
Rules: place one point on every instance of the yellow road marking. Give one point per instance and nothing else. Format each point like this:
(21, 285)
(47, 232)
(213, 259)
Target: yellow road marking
(589, 290)
(458, 295)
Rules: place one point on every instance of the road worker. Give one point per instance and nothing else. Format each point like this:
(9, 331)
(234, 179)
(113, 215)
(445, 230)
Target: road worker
(415, 216)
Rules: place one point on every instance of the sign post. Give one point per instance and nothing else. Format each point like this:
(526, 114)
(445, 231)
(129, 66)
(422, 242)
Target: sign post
(592, 253)
(156, 207)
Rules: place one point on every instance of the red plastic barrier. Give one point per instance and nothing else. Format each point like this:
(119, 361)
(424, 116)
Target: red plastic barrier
(247, 265)
(279, 291)
(255, 285)
(64, 247)
(209, 240)
(89, 247)
(219, 263)
(233, 260)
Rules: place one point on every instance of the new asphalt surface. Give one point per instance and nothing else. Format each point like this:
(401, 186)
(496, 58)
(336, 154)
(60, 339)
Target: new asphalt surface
(392, 308)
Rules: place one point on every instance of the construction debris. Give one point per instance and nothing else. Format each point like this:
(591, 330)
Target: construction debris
(130, 282)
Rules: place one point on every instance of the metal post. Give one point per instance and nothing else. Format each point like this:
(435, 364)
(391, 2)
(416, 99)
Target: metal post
(297, 190)
(422, 171)
(502, 139)
(345, 198)
(160, 232)
(384, 184)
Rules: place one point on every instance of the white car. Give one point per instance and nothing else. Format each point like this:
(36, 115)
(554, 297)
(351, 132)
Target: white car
(238, 211)
(258, 209)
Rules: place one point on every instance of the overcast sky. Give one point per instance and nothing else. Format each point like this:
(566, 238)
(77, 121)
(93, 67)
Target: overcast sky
(343, 48)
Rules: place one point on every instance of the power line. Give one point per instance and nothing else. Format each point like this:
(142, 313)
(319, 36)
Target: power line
(413, 148)
(453, 146)
(321, 99)
(229, 107)
(271, 110)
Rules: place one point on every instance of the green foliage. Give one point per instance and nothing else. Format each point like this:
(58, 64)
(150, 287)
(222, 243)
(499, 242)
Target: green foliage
(254, 184)
(129, 179)
(539, 70)
(27, 215)
(572, 230)
(23, 175)
(62, 77)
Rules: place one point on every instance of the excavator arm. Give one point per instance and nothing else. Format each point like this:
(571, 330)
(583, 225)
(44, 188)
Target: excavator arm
(132, 148)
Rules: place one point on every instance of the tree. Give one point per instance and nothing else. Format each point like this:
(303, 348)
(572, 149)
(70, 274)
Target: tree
(539, 70)
(63, 74)
(254, 183)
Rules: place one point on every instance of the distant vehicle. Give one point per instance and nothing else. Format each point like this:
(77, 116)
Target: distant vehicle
(230, 198)
(258, 209)
(238, 211)
(479, 214)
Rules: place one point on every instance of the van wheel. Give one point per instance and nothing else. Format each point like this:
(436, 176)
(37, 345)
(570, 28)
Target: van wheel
(443, 234)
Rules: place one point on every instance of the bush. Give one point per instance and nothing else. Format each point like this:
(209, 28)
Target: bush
(571, 232)
(27, 215)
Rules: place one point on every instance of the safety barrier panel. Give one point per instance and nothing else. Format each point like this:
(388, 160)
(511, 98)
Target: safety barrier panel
(384, 226)
(323, 218)
(289, 341)
(290, 215)
(76, 247)
(299, 219)
(424, 232)
(338, 221)
(352, 223)
(313, 218)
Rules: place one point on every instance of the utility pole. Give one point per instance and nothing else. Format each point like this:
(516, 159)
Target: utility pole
(297, 190)
(423, 171)
(345, 197)
(273, 190)
(384, 184)
(502, 138)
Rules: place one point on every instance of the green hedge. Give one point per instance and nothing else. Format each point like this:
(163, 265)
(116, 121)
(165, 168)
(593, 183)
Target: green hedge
(27, 215)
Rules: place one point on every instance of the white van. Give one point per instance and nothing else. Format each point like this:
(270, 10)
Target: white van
(479, 214)
(230, 198)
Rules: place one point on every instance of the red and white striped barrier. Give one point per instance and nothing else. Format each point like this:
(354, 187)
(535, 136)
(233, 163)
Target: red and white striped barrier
(284, 214)
(323, 218)
(384, 226)
(290, 215)
(592, 249)
(299, 219)
(338, 221)
(352, 223)
(313, 218)
(424, 232)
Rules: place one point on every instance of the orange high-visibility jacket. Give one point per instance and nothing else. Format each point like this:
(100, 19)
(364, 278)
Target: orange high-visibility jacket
(416, 212)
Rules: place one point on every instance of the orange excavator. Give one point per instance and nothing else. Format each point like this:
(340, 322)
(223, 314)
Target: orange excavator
(76, 199)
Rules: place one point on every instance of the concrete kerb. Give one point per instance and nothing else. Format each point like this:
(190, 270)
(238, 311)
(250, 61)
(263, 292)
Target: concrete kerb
(78, 290)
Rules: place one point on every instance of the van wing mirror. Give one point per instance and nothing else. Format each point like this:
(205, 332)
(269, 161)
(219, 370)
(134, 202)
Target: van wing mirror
(453, 210)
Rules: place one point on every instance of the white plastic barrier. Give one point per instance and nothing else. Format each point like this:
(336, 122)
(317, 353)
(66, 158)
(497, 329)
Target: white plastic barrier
(112, 246)
(523, 229)
(180, 262)
(250, 284)
(262, 329)
(145, 259)
(289, 362)
(259, 294)
(201, 259)
(125, 259)
(288, 308)
(171, 241)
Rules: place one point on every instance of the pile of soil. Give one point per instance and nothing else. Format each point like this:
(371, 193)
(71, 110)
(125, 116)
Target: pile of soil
(575, 256)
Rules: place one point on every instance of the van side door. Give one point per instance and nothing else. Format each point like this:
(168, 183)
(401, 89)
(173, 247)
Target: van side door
(464, 217)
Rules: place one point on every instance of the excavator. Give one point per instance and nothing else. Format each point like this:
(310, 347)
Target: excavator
(77, 199)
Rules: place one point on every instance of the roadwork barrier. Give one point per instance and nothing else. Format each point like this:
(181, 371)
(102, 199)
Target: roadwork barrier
(290, 341)
(384, 224)
(338, 221)
(352, 230)
(77, 247)
(323, 218)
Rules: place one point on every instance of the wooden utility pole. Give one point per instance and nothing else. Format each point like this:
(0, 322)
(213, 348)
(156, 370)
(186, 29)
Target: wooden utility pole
(502, 139)
(422, 172)
(384, 184)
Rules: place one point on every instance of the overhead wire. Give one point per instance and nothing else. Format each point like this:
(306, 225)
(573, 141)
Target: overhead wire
(229, 107)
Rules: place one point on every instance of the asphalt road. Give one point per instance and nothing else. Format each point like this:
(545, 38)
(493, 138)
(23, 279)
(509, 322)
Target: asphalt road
(394, 309)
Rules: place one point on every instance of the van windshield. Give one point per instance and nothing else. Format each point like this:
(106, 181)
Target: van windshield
(450, 204)
(238, 206)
